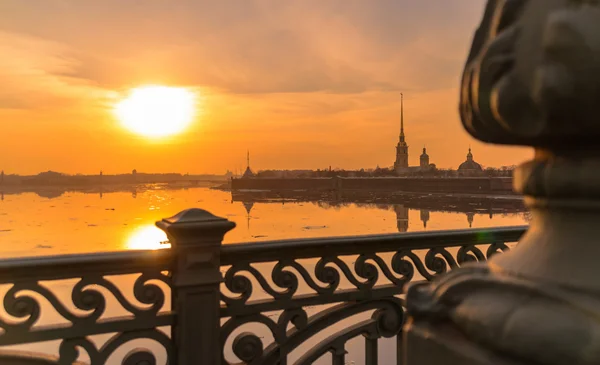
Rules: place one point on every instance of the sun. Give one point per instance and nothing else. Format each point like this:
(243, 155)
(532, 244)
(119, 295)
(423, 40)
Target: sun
(157, 111)
(147, 237)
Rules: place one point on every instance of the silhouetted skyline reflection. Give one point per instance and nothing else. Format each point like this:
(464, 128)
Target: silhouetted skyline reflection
(46, 223)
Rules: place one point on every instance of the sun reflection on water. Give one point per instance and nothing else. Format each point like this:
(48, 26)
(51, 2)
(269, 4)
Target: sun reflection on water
(147, 237)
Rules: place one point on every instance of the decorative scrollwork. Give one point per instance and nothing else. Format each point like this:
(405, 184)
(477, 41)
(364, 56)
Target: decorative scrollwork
(248, 347)
(139, 356)
(22, 307)
(407, 268)
(296, 316)
(69, 352)
(386, 321)
(365, 274)
(327, 274)
(389, 320)
(439, 260)
(367, 292)
(366, 270)
(245, 345)
(496, 248)
(149, 294)
(284, 279)
(88, 295)
(237, 284)
(469, 253)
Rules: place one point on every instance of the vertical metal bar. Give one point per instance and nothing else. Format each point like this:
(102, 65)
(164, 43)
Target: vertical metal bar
(399, 346)
(371, 353)
(339, 357)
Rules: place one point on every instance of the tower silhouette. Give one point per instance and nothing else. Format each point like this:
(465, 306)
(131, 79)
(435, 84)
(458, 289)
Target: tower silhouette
(402, 147)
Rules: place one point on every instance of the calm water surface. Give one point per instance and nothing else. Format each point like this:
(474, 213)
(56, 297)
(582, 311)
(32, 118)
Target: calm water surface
(32, 225)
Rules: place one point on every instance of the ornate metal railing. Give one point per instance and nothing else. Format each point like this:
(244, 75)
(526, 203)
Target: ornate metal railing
(201, 302)
(49, 285)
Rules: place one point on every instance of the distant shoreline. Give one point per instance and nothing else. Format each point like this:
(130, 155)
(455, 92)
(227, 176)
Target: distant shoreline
(57, 190)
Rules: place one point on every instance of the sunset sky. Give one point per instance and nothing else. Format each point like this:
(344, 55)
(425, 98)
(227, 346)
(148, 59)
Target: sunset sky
(302, 84)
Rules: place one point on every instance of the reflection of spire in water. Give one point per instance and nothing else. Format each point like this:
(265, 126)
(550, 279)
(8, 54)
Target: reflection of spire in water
(100, 194)
(2, 196)
(424, 217)
(134, 193)
(248, 206)
(470, 217)
(401, 217)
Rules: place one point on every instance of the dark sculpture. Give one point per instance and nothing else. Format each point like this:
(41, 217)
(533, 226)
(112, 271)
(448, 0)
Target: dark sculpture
(532, 78)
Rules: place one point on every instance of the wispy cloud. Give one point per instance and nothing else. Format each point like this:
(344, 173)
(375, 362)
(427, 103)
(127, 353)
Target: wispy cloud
(260, 46)
(40, 74)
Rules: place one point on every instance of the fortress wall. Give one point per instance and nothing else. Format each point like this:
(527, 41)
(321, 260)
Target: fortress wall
(482, 185)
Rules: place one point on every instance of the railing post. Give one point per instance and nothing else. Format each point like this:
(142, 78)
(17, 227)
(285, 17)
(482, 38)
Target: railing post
(196, 236)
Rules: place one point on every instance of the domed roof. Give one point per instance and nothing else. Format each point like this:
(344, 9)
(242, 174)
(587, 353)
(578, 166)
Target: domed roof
(424, 154)
(470, 164)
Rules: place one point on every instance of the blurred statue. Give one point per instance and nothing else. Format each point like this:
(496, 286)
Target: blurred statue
(532, 74)
(532, 78)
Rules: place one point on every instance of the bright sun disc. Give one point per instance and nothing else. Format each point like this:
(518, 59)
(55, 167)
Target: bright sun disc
(147, 238)
(157, 111)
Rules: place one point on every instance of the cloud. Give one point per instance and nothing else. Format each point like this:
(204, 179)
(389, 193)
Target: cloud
(38, 74)
(260, 46)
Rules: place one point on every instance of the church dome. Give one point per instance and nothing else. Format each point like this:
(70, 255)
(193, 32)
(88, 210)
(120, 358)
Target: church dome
(424, 154)
(470, 164)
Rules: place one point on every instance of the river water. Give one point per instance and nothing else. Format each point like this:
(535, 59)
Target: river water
(75, 222)
(50, 223)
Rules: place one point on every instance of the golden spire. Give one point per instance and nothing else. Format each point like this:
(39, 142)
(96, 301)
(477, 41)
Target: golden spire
(402, 116)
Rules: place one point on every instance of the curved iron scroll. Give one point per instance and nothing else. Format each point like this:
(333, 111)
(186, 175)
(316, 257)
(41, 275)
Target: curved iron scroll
(24, 311)
(69, 348)
(386, 321)
(367, 270)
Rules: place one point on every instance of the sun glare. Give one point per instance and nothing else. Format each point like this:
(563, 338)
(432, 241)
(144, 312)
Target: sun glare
(157, 111)
(147, 238)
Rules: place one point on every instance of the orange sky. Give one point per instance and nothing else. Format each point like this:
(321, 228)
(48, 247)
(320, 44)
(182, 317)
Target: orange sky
(302, 84)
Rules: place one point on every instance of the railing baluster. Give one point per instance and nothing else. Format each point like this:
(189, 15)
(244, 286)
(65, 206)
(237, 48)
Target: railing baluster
(399, 347)
(339, 356)
(371, 353)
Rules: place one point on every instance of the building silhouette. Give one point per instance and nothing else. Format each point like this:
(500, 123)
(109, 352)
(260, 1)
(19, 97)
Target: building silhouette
(424, 159)
(470, 217)
(248, 173)
(248, 205)
(425, 217)
(470, 167)
(401, 217)
(401, 164)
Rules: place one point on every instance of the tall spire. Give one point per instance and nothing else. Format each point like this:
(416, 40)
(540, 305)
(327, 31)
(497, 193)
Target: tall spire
(401, 116)
(248, 158)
